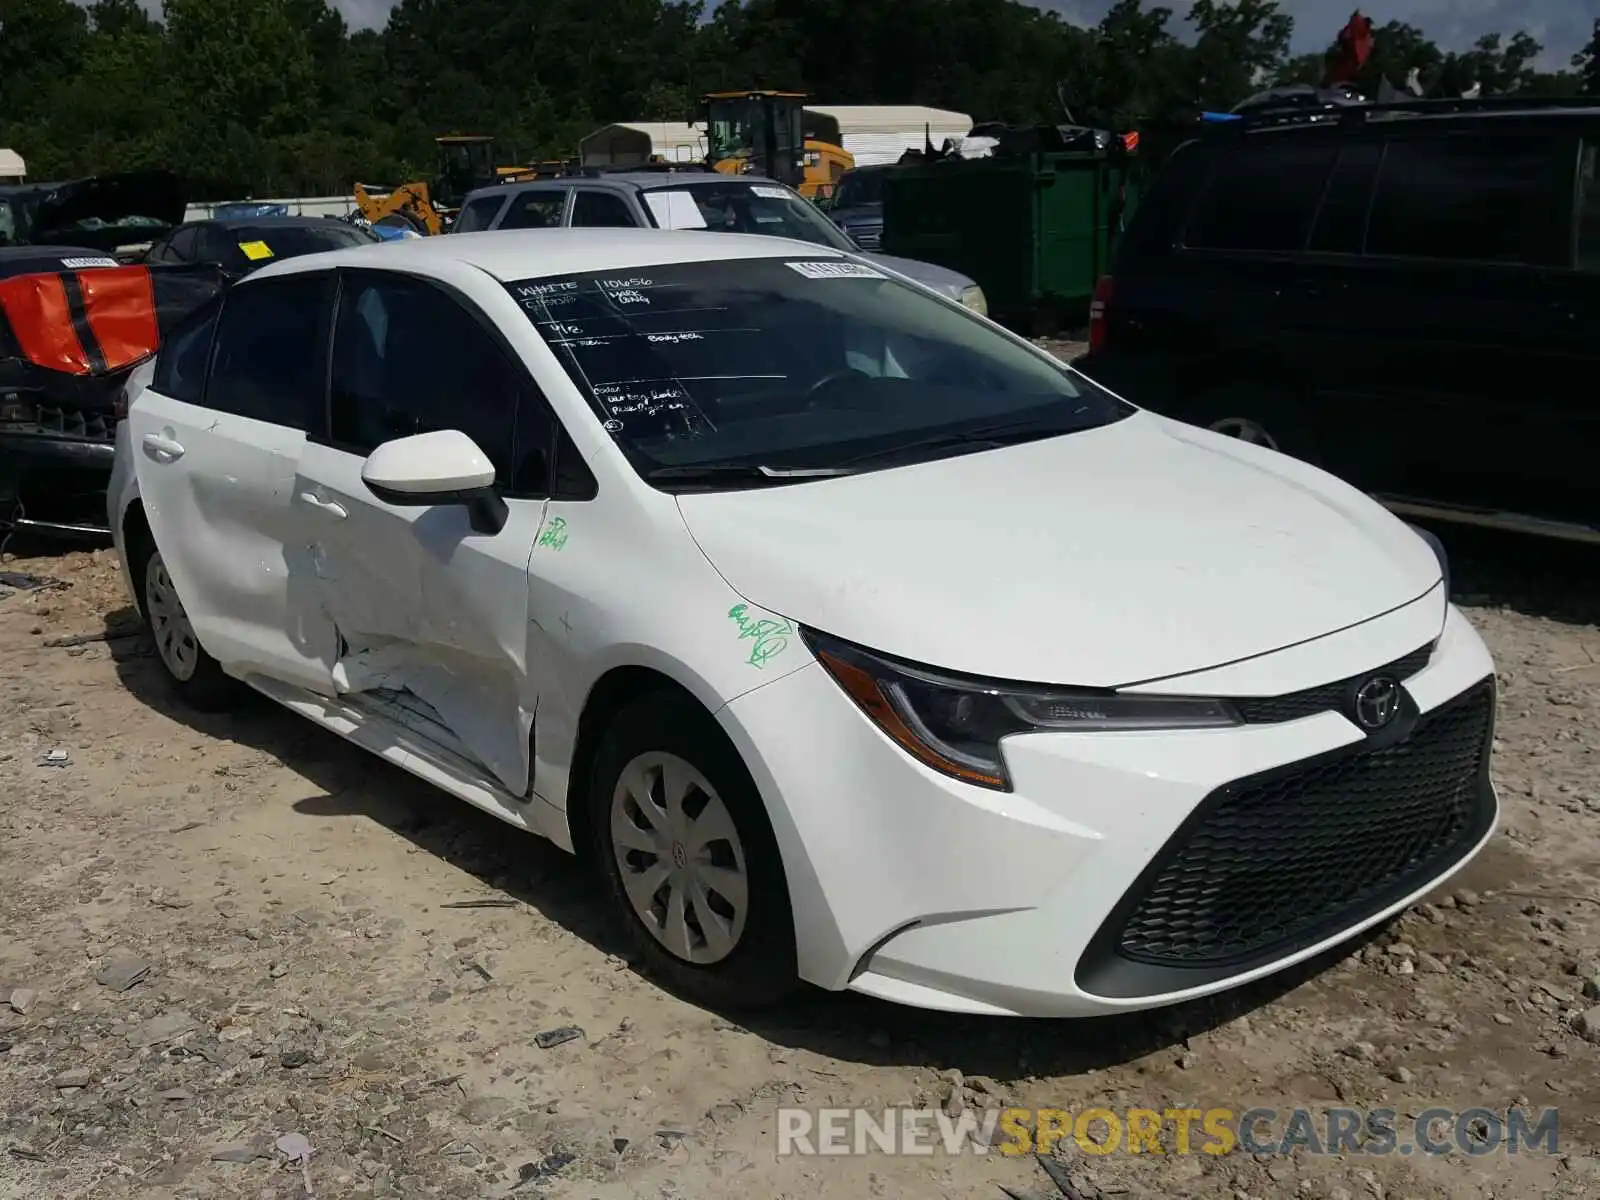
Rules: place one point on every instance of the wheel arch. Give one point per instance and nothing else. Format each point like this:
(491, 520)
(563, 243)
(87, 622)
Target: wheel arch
(612, 692)
(609, 695)
(137, 540)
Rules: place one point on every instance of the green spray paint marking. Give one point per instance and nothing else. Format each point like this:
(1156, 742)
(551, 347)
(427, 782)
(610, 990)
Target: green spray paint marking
(555, 534)
(771, 637)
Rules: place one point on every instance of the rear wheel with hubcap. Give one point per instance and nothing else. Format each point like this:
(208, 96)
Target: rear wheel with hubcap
(193, 674)
(690, 862)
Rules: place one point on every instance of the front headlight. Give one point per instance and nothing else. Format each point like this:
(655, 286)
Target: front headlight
(973, 298)
(1439, 553)
(954, 723)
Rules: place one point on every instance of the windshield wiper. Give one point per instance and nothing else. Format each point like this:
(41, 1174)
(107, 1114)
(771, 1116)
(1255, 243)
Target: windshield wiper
(987, 437)
(712, 471)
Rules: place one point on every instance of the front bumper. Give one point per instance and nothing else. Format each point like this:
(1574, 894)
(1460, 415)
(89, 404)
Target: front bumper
(1042, 901)
(54, 484)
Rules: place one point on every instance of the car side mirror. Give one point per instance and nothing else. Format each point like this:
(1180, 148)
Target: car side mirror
(444, 467)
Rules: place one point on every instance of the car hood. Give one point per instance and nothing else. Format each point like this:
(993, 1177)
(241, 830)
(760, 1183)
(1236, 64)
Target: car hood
(940, 279)
(1132, 552)
(158, 196)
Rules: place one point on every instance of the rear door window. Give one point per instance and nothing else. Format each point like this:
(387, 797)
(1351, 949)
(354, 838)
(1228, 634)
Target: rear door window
(181, 362)
(596, 209)
(539, 209)
(1341, 224)
(182, 246)
(478, 214)
(1262, 196)
(1473, 198)
(216, 245)
(269, 358)
(1589, 208)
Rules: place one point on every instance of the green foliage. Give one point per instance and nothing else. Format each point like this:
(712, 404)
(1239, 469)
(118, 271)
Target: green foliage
(1587, 64)
(278, 97)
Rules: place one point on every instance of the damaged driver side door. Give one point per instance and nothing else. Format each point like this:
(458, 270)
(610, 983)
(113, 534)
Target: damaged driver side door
(431, 613)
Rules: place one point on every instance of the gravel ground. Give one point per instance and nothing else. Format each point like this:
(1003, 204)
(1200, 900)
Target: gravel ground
(304, 973)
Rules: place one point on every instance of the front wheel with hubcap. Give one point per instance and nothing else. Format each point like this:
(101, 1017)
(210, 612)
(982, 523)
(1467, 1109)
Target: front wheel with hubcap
(1259, 413)
(193, 674)
(1245, 430)
(691, 864)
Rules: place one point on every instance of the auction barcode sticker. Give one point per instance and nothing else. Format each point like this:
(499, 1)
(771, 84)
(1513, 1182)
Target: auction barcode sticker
(80, 264)
(771, 193)
(835, 270)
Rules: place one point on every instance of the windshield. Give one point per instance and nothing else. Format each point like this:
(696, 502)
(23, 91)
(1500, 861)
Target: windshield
(735, 206)
(811, 363)
(8, 223)
(736, 126)
(859, 187)
(251, 245)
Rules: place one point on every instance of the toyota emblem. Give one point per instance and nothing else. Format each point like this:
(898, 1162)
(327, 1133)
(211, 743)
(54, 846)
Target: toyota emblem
(1377, 702)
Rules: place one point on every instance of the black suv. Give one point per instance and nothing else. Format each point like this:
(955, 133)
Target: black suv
(1407, 295)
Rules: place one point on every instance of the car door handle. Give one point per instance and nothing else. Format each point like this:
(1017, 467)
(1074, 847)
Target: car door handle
(160, 447)
(332, 507)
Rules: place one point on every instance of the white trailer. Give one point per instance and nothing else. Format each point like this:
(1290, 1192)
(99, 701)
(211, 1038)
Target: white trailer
(632, 143)
(881, 133)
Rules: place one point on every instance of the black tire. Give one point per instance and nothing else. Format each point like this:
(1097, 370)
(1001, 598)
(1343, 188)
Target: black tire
(760, 970)
(205, 687)
(1272, 410)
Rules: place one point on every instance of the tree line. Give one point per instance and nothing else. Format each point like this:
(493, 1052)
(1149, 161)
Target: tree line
(279, 97)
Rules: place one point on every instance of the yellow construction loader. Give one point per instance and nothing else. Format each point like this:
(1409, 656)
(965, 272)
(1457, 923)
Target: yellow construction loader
(774, 134)
(465, 162)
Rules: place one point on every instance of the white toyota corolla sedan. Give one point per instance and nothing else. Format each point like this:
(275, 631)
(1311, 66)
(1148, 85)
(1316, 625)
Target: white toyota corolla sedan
(852, 638)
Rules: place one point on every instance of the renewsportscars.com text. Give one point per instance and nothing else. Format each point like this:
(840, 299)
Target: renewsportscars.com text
(1215, 1131)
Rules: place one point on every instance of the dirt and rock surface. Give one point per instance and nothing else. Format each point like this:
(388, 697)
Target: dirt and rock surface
(240, 957)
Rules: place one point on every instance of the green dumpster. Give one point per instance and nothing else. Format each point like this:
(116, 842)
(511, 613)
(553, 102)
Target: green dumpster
(1034, 230)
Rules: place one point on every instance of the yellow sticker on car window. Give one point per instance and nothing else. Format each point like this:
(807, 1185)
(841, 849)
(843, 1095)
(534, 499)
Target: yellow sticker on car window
(256, 251)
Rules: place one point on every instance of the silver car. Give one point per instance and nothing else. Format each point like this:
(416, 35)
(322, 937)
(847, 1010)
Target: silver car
(687, 200)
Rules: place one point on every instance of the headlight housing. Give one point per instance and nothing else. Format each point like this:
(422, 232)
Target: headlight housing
(1439, 552)
(974, 299)
(954, 723)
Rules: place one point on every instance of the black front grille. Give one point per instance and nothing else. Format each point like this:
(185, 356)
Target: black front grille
(1267, 710)
(76, 423)
(1270, 864)
(56, 420)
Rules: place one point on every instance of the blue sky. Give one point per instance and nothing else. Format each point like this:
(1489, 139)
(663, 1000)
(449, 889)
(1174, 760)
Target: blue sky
(1563, 26)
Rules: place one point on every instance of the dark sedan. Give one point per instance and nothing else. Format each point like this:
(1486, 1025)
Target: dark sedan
(54, 456)
(857, 206)
(241, 244)
(73, 325)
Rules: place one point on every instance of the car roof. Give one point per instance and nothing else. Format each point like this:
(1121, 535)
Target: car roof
(512, 254)
(1499, 113)
(29, 250)
(242, 222)
(620, 181)
(650, 181)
